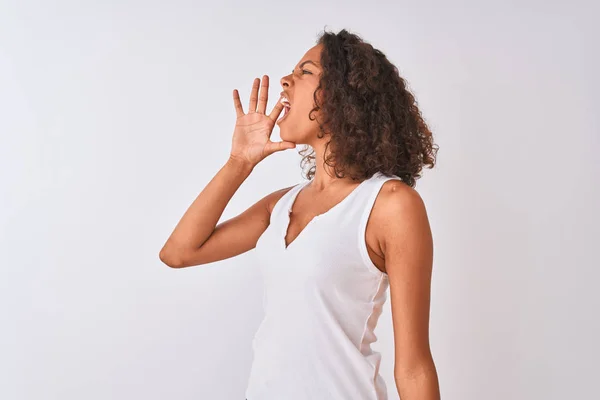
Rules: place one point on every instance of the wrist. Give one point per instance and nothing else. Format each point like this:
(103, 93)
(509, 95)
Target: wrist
(240, 165)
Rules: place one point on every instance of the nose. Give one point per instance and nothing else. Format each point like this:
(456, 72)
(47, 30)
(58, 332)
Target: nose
(285, 81)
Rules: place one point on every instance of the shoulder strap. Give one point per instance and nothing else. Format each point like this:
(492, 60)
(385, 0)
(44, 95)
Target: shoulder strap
(375, 186)
(285, 201)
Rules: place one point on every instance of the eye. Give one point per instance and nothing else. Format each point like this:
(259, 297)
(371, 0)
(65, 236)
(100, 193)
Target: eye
(302, 72)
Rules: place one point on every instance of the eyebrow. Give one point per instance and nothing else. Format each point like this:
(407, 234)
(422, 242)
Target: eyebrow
(308, 61)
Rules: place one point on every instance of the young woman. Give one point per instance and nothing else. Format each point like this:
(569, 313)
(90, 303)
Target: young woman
(329, 247)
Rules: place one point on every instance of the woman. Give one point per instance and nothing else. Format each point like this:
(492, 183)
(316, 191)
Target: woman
(331, 246)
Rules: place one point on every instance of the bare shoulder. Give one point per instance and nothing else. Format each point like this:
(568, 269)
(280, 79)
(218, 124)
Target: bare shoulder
(396, 196)
(398, 210)
(272, 198)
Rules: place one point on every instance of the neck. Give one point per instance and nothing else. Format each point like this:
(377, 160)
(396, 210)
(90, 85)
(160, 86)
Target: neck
(324, 174)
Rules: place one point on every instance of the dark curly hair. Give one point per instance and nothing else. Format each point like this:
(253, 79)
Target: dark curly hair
(371, 116)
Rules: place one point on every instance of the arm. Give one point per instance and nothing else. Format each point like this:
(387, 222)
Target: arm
(408, 248)
(195, 239)
(184, 247)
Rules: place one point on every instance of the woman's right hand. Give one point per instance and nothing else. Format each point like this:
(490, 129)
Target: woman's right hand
(251, 141)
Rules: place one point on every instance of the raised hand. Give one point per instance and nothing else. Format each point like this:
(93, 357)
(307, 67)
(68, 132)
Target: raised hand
(251, 141)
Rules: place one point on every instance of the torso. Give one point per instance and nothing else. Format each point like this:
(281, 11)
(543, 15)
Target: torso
(305, 210)
(322, 262)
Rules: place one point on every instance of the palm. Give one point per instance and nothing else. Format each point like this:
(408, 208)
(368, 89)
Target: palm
(251, 137)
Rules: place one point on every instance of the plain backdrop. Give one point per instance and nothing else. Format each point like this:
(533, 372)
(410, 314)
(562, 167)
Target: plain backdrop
(115, 115)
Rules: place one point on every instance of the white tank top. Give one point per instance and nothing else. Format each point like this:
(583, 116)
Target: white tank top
(322, 299)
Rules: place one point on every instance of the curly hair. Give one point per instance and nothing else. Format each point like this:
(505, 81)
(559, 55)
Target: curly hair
(372, 118)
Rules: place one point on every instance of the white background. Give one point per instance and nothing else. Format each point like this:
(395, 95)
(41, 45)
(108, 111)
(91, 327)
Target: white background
(115, 115)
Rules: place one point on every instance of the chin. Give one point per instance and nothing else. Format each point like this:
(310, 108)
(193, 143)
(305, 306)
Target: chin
(294, 132)
(285, 134)
(293, 137)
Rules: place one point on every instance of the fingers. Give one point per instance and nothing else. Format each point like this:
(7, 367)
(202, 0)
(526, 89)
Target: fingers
(276, 111)
(257, 104)
(264, 95)
(239, 111)
(254, 96)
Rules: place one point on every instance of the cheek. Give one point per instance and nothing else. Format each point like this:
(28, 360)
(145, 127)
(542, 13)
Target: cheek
(306, 95)
(304, 116)
(304, 110)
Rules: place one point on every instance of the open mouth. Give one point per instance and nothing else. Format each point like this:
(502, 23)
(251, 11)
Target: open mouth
(286, 108)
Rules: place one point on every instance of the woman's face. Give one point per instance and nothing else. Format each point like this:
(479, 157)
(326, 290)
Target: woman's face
(299, 88)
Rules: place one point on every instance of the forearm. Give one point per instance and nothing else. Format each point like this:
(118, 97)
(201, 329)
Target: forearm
(420, 383)
(200, 219)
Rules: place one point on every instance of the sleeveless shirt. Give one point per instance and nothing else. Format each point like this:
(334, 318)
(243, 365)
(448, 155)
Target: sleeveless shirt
(322, 299)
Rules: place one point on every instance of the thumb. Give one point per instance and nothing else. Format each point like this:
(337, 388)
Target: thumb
(273, 147)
